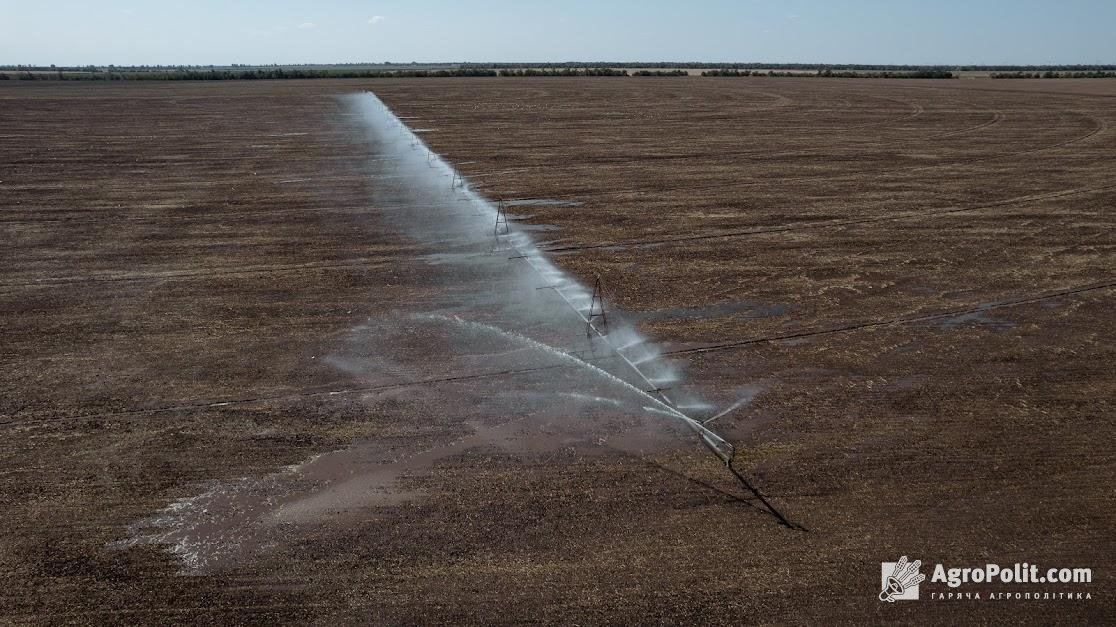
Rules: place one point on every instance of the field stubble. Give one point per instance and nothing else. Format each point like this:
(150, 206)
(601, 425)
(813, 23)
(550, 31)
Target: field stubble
(180, 261)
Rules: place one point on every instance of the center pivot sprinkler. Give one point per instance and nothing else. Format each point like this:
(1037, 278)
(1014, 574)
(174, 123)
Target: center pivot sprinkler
(655, 386)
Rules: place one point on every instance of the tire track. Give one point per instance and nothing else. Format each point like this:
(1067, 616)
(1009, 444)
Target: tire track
(918, 111)
(830, 223)
(190, 405)
(1100, 127)
(997, 117)
(204, 272)
(33, 419)
(895, 321)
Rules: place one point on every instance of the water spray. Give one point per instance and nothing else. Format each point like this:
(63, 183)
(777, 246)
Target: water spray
(590, 307)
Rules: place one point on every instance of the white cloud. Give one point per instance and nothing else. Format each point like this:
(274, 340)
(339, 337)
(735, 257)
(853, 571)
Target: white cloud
(306, 25)
(376, 19)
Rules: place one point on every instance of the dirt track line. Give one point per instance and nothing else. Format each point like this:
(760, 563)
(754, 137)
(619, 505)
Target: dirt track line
(189, 274)
(190, 405)
(1011, 88)
(15, 421)
(1101, 126)
(917, 111)
(997, 117)
(894, 321)
(833, 223)
(203, 609)
(104, 217)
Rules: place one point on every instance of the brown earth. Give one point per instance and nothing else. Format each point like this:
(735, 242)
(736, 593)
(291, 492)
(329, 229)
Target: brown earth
(919, 275)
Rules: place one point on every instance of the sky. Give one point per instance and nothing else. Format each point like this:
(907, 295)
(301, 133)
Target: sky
(201, 32)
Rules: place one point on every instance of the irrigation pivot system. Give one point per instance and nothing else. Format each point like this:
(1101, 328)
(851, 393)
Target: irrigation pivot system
(589, 306)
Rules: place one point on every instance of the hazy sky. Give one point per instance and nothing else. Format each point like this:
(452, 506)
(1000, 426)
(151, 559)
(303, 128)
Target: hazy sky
(283, 31)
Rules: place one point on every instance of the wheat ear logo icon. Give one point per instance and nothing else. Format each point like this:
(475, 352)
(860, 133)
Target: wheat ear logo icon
(903, 577)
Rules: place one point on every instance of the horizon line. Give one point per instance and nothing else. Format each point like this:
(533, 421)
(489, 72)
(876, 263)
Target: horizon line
(594, 63)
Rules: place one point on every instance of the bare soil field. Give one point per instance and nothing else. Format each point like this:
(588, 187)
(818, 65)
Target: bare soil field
(911, 283)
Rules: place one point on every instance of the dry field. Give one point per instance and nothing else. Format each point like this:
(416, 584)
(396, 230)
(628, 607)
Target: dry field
(915, 280)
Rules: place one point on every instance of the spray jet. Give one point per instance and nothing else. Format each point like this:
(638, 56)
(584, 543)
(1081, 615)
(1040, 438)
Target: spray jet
(717, 445)
(592, 313)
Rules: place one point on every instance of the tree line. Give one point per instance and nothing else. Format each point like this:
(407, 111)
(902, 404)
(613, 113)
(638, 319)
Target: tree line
(278, 73)
(1053, 74)
(818, 67)
(833, 74)
(183, 73)
(600, 71)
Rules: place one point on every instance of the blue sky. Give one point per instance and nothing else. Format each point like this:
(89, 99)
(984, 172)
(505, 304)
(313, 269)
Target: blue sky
(283, 31)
